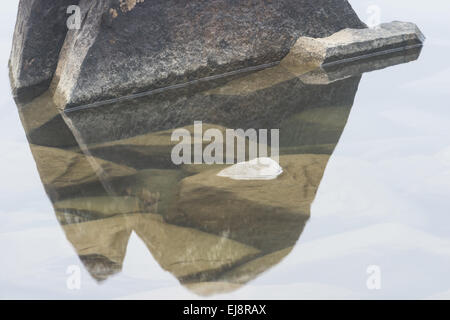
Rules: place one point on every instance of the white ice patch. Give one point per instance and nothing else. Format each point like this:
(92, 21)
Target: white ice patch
(256, 169)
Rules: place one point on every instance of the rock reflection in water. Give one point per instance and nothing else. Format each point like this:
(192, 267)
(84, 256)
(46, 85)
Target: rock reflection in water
(108, 171)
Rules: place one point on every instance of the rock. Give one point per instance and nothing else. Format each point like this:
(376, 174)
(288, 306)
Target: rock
(212, 287)
(150, 185)
(265, 99)
(92, 208)
(335, 72)
(156, 44)
(61, 168)
(100, 244)
(265, 214)
(256, 169)
(354, 44)
(236, 107)
(249, 220)
(316, 130)
(213, 227)
(151, 150)
(150, 190)
(189, 254)
(38, 37)
(83, 186)
(250, 270)
(192, 169)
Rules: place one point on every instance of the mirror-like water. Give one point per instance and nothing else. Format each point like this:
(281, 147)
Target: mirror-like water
(357, 207)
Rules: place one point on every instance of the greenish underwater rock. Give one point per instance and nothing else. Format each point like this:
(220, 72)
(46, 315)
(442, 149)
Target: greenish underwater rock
(268, 215)
(190, 255)
(63, 168)
(250, 270)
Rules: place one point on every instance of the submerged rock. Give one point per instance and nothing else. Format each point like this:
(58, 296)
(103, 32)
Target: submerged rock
(61, 168)
(250, 270)
(263, 99)
(187, 253)
(266, 214)
(38, 37)
(131, 48)
(155, 188)
(44, 124)
(256, 169)
(122, 50)
(212, 227)
(101, 207)
(100, 244)
(213, 233)
(154, 149)
(233, 107)
(149, 190)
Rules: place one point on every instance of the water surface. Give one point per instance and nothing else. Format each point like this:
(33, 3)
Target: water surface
(366, 162)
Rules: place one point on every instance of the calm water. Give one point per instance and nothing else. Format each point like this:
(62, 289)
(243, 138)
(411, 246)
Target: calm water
(366, 180)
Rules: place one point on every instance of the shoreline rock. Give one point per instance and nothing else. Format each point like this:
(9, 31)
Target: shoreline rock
(161, 43)
(266, 214)
(153, 45)
(38, 37)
